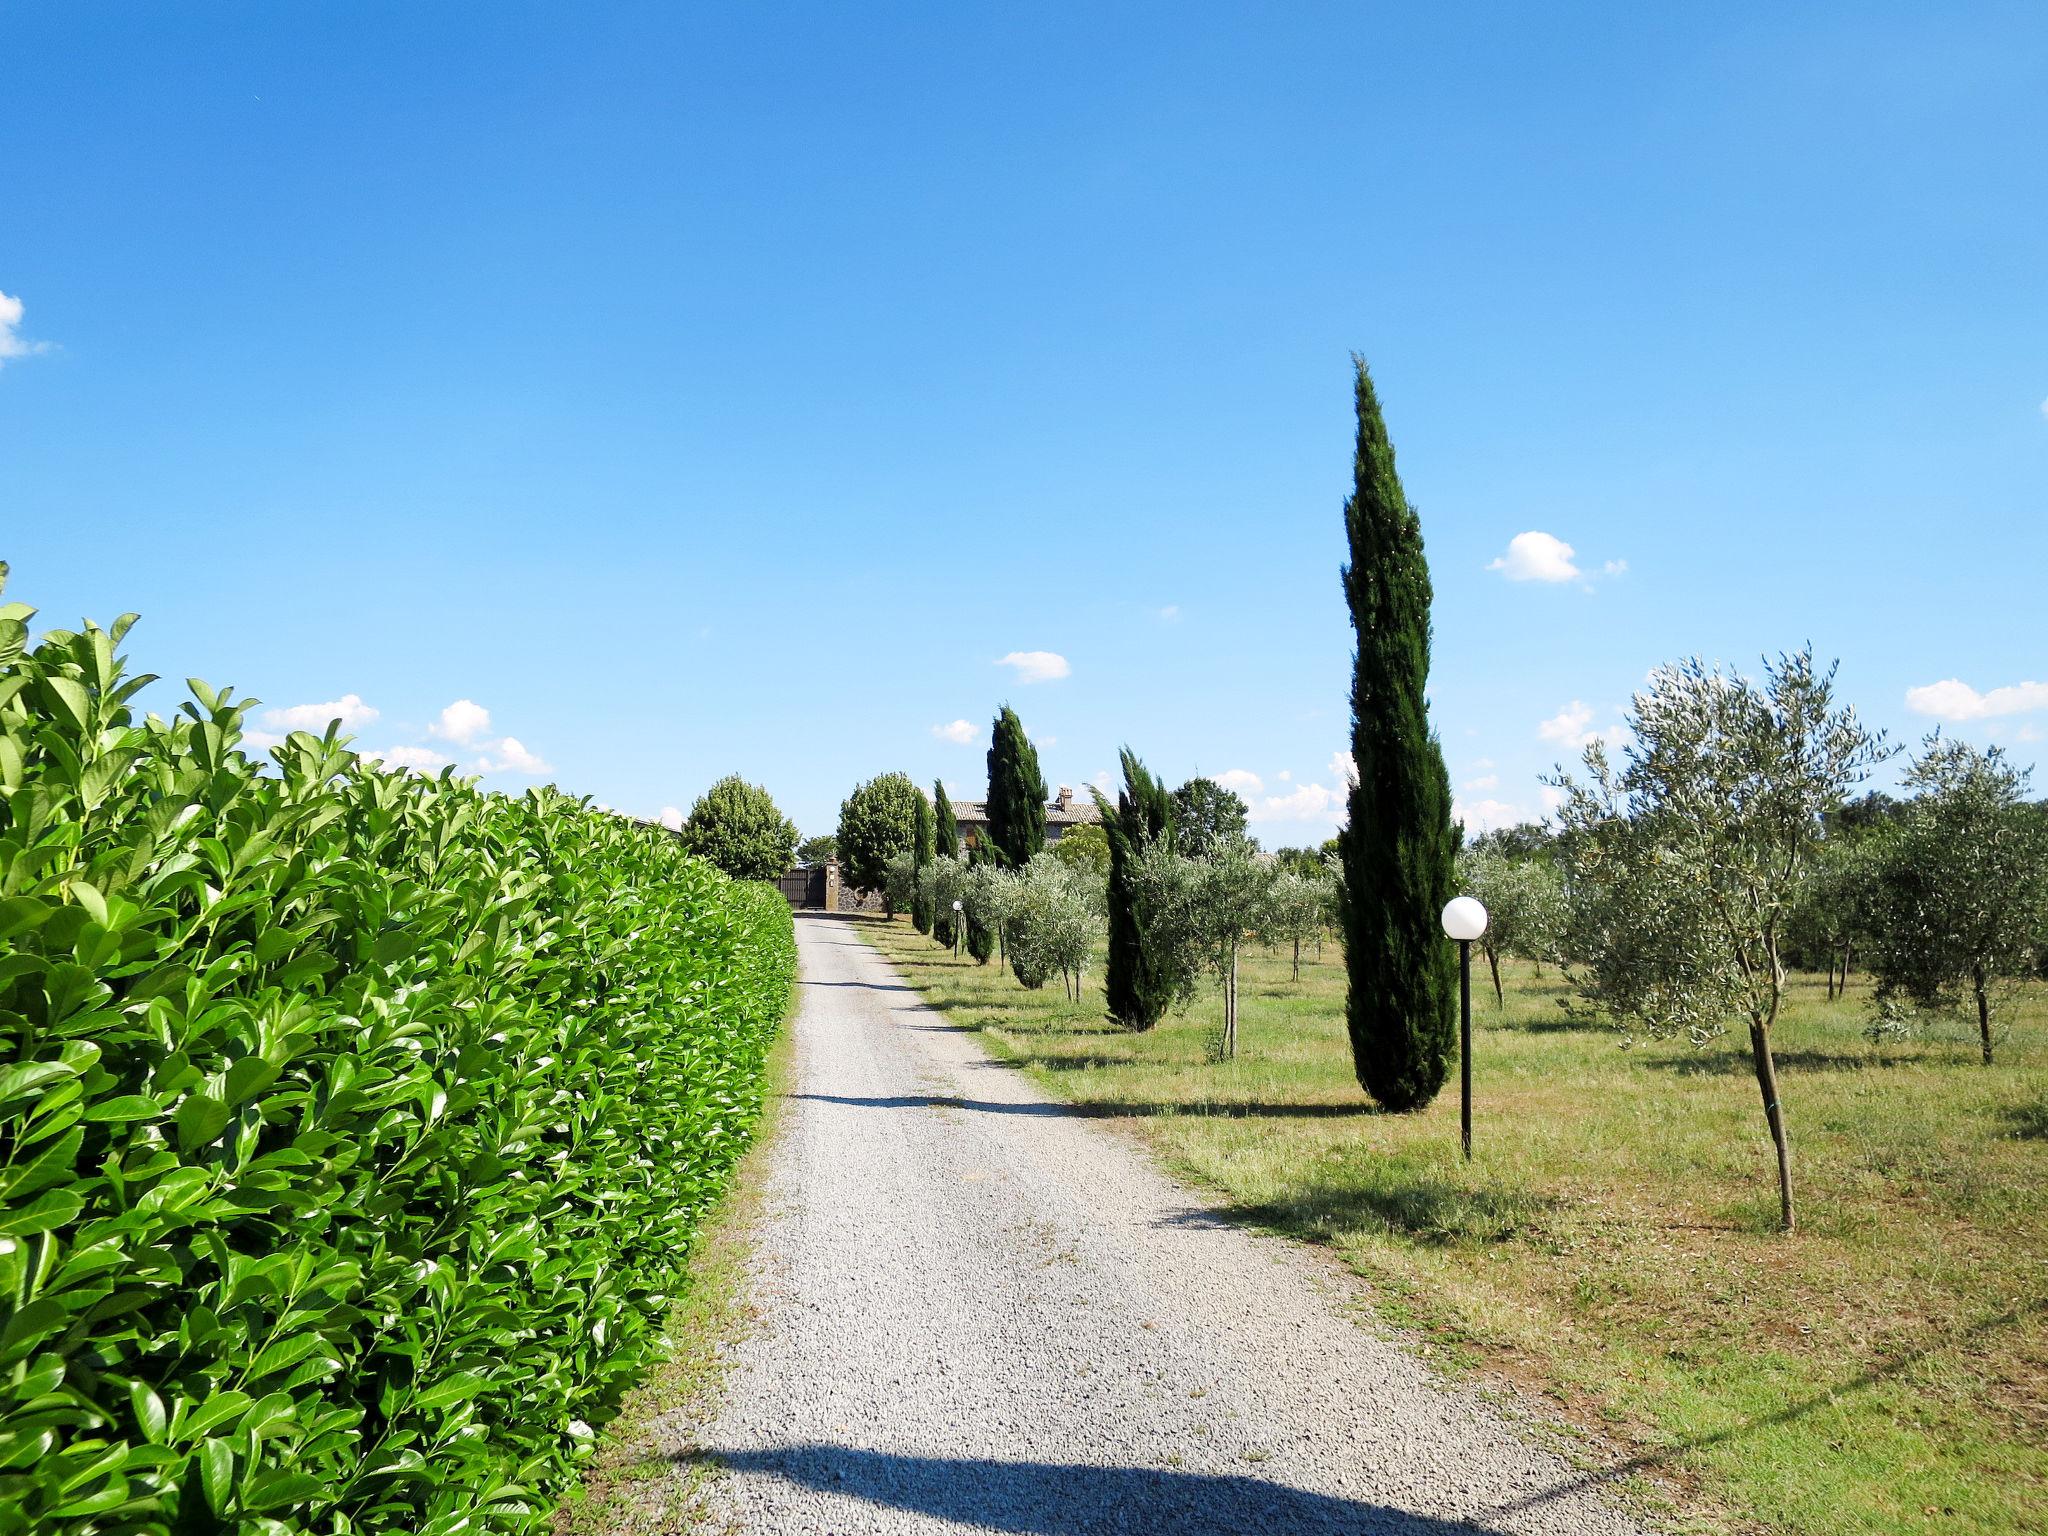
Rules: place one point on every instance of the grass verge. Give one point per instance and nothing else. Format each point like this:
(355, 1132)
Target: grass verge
(1612, 1245)
(643, 1480)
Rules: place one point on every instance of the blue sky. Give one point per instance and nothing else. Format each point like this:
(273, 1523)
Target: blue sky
(733, 390)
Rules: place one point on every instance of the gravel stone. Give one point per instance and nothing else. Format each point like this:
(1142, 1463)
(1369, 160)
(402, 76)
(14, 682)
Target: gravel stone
(978, 1311)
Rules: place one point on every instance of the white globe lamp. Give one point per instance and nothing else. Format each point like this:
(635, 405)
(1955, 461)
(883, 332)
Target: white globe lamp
(1465, 920)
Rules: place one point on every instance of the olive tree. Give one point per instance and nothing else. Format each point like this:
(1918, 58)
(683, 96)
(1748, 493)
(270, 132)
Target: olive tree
(1837, 904)
(941, 883)
(1195, 913)
(1298, 909)
(902, 890)
(1961, 888)
(1682, 863)
(1524, 901)
(1052, 915)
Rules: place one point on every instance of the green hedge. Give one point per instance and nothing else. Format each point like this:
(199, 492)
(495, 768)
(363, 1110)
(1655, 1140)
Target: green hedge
(354, 1126)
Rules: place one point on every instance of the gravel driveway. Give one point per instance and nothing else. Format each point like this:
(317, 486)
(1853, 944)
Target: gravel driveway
(979, 1312)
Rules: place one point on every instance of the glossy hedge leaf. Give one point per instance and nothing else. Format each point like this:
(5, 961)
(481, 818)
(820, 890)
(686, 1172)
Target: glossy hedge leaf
(354, 1127)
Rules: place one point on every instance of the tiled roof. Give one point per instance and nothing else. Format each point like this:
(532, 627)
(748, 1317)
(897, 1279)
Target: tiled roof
(1076, 813)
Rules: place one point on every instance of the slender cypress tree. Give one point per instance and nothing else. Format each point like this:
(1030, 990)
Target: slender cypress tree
(1400, 848)
(946, 837)
(921, 855)
(1016, 791)
(1143, 814)
(981, 938)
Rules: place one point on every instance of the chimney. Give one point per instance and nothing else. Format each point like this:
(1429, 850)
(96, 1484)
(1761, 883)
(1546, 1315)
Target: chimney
(1066, 798)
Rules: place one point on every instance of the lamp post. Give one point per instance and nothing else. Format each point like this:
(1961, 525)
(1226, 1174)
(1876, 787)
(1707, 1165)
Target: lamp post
(958, 922)
(1465, 920)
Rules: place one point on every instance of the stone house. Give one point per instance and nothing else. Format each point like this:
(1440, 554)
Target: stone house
(1063, 814)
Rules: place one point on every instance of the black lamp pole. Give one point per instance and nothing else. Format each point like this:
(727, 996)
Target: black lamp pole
(1465, 1040)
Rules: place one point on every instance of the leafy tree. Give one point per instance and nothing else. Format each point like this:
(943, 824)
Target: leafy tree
(1052, 915)
(943, 882)
(1298, 908)
(1833, 914)
(946, 844)
(1142, 816)
(1016, 792)
(1400, 845)
(736, 826)
(901, 886)
(817, 850)
(1962, 888)
(1682, 866)
(921, 855)
(1085, 848)
(1206, 816)
(1524, 901)
(1527, 840)
(876, 822)
(1301, 861)
(1195, 913)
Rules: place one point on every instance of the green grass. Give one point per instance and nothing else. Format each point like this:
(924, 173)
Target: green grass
(1613, 1244)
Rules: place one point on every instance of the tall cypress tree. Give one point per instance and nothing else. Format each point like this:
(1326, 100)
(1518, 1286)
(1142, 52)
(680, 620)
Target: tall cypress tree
(1400, 848)
(1142, 815)
(981, 938)
(921, 855)
(946, 837)
(1016, 791)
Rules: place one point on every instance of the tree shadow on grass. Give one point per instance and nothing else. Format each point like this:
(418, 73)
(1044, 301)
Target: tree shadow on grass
(1657, 1461)
(1733, 1064)
(1036, 1498)
(1424, 1207)
(2029, 1122)
(1560, 1023)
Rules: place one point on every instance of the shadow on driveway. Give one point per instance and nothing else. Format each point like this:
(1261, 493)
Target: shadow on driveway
(1036, 1498)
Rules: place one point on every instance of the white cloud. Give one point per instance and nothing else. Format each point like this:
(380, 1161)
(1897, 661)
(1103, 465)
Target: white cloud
(1537, 556)
(1569, 726)
(349, 709)
(1614, 568)
(671, 817)
(1243, 780)
(1284, 776)
(2028, 733)
(2044, 410)
(510, 756)
(1043, 741)
(1170, 613)
(1484, 781)
(417, 759)
(12, 342)
(1572, 727)
(1104, 781)
(1306, 802)
(263, 741)
(1343, 768)
(1552, 798)
(1953, 699)
(1037, 666)
(462, 722)
(960, 731)
(1486, 815)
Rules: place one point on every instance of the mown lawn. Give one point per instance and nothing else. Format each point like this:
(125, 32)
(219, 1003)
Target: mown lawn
(1613, 1244)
